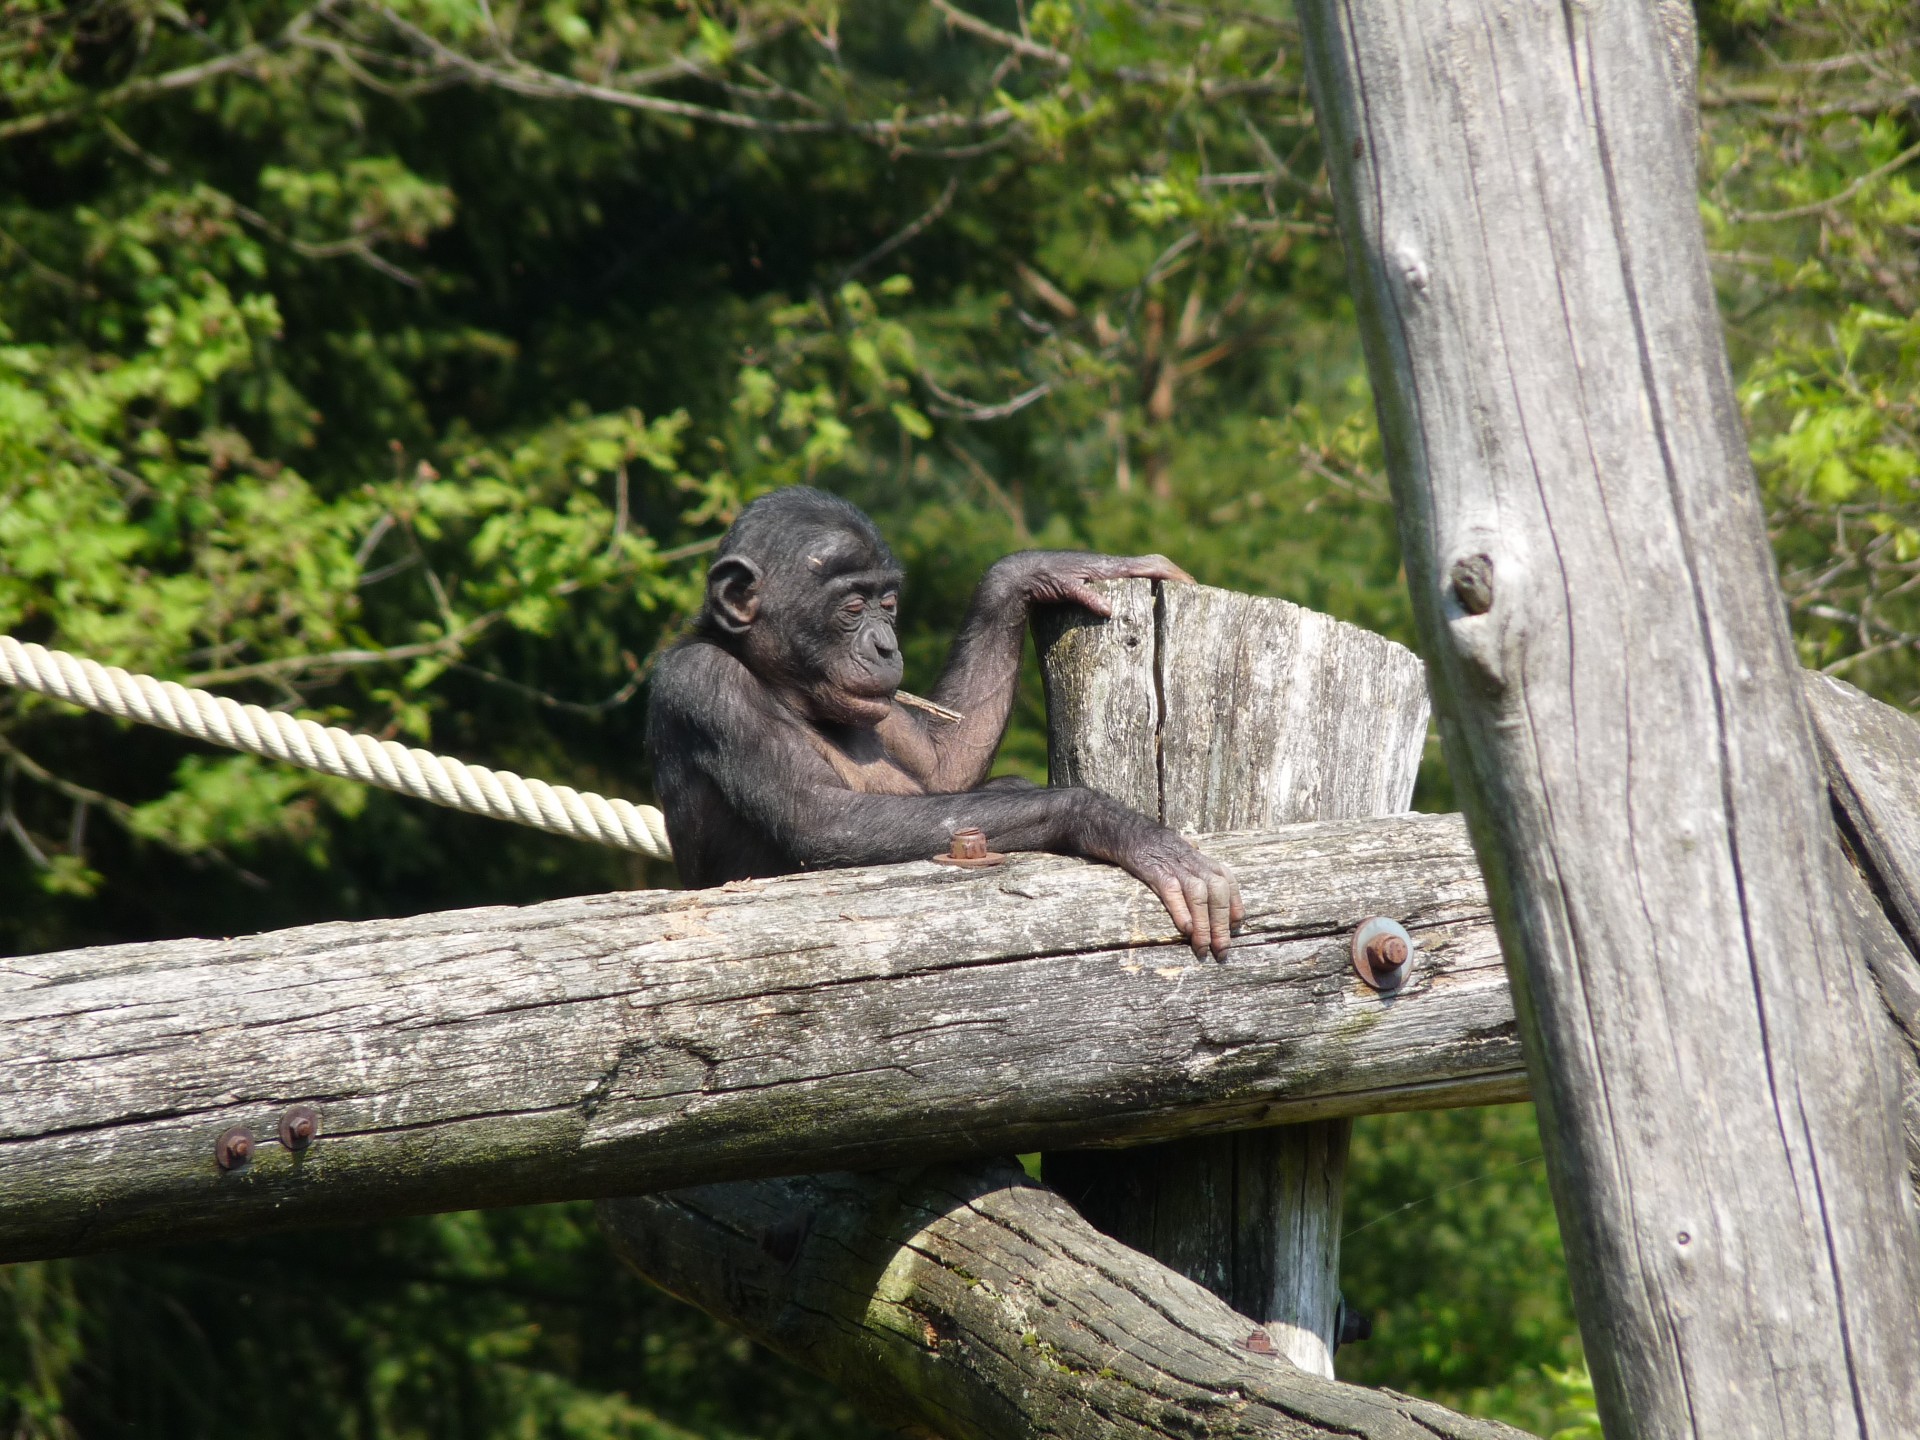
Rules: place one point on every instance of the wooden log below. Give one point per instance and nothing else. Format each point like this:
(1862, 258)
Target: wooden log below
(969, 1303)
(621, 1043)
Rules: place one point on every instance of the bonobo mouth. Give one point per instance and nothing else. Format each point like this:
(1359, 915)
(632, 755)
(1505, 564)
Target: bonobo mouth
(863, 703)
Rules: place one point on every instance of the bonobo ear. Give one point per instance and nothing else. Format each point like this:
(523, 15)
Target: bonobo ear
(733, 593)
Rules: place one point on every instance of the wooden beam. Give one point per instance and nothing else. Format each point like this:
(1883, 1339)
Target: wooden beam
(967, 1302)
(1622, 712)
(1872, 757)
(1215, 711)
(628, 1042)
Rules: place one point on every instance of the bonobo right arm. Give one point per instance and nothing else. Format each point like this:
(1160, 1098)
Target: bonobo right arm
(715, 724)
(843, 827)
(983, 666)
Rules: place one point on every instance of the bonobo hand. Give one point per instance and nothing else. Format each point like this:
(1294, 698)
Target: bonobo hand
(1063, 577)
(1199, 892)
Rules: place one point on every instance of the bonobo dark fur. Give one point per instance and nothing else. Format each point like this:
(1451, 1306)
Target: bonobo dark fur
(778, 746)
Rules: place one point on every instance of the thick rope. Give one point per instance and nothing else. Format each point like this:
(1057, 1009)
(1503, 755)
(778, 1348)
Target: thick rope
(332, 751)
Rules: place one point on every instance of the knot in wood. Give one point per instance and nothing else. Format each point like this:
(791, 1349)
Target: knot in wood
(1413, 269)
(1471, 579)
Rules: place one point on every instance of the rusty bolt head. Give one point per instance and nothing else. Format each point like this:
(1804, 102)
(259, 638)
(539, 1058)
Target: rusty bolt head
(234, 1148)
(299, 1127)
(968, 850)
(1381, 950)
(1386, 952)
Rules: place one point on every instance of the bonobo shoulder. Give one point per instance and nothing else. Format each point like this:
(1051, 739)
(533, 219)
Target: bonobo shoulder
(699, 686)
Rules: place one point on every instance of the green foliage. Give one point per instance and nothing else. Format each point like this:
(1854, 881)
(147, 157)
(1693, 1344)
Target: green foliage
(1811, 210)
(1452, 1247)
(493, 1326)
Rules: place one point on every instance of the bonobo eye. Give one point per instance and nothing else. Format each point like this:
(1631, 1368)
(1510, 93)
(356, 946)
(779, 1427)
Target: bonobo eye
(890, 602)
(856, 604)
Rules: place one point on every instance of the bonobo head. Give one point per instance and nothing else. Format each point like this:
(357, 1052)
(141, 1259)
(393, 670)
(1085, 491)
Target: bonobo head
(805, 592)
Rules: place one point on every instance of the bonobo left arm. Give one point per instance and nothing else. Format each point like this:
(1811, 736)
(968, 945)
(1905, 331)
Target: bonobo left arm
(983, 666)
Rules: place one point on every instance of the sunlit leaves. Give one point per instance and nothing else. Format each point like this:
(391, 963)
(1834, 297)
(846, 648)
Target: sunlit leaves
(1810, 205)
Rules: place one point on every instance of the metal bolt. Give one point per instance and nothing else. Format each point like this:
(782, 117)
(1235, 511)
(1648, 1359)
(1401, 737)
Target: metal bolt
(1386, 952)
(234, 1148)
(968, 849)
(1472, 580)
(1381, 950)
(299, 1127)
(1350, 1326)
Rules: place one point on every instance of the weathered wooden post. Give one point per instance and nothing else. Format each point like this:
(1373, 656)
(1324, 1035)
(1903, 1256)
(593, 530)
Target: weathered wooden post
(1623, 715)
(1219, 711)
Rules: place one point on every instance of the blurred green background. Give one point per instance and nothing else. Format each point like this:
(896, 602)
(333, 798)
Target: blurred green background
(399, 363)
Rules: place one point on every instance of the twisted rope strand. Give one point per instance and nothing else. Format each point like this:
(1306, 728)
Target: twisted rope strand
(421, 774)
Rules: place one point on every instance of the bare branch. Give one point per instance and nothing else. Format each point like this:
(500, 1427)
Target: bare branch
(908, 232)
(1840, 197)
(959, 407)
(958, 19)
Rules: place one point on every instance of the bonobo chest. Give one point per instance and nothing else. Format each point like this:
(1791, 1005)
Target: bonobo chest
(860, 759)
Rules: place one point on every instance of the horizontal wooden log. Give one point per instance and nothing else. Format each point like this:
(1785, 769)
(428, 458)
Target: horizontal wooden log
(970, 1303)
(631, 1042)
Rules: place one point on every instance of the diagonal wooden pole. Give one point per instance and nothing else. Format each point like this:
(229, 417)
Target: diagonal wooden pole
(1615, 681)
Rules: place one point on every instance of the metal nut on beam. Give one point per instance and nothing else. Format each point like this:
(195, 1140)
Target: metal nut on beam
(968, 850)
(299, 1127)
(234, 1148)
(1381, 952)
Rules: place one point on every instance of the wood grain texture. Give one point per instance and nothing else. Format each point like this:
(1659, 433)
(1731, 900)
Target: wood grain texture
(1872, 757)
(1103, 696)
(969, 1303)
(1212, 710)
(1263, 713)
(627, 1042)
(1272, 714)
(1622, 711)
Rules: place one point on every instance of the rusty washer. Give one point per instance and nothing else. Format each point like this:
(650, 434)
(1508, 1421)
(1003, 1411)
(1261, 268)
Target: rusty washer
(299, 1127)
(969, 851)
(1381, 950)
(234, 1148)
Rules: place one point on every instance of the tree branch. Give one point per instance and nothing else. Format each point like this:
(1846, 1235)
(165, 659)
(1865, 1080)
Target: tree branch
(971, 1303)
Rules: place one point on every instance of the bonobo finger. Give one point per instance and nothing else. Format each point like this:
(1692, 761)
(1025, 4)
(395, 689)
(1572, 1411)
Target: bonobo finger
(1081, 593)
(1168, 889)
(1239, 909)
(1144, 567)
(1201, 935)
(1220, 904)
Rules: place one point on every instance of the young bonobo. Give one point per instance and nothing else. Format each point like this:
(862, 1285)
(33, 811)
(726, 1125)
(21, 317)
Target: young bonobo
(778, 746)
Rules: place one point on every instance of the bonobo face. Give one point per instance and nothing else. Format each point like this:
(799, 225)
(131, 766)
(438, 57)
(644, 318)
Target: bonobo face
(850, 639)
(813, 611)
